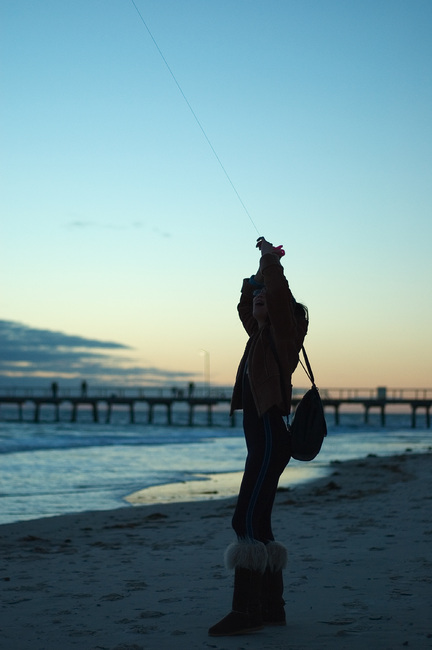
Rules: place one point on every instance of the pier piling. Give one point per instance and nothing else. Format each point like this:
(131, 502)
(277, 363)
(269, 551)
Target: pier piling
(367, 399)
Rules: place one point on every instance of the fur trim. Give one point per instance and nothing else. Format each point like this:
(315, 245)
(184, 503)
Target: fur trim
(246, 554)
(277, 556)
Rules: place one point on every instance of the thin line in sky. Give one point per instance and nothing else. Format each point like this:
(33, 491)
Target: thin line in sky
(195, 116)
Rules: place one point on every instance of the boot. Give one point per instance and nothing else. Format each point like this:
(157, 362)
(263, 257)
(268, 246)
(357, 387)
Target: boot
(272, 589)
(272, 601)
(249, 560)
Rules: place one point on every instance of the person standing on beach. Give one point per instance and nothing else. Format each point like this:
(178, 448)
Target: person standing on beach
(276, 325)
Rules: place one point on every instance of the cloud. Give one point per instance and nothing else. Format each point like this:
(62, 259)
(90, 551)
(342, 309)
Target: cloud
(24, 337)
(80, 224)
(28, 353)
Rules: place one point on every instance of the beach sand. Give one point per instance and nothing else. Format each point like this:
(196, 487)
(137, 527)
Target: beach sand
(152, 577)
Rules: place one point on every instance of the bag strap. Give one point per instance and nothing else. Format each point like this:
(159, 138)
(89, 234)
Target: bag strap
(307, 369)
(308, 366)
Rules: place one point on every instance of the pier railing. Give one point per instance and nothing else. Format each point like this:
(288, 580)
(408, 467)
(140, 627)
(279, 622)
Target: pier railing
(108, 392)
(380, 393)
(217, 392)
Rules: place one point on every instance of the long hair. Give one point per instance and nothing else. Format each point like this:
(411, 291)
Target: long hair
(301, 313)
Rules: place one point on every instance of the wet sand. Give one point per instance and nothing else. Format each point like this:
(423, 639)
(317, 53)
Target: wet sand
(152, 576)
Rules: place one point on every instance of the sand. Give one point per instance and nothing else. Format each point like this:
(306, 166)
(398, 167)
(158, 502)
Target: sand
(152, 576)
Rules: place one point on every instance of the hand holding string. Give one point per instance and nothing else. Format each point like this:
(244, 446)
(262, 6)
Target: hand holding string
(267, 247)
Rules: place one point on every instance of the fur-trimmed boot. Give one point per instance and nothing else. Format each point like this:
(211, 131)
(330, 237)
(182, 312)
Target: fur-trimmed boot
(249, 560)
(272, 591)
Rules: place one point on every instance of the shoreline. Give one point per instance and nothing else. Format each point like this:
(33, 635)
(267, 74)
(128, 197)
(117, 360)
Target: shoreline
(103, 476)
(152, 577)
(224, 485)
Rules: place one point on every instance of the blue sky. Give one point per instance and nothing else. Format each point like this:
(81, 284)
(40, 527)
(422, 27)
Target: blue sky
(119, 226)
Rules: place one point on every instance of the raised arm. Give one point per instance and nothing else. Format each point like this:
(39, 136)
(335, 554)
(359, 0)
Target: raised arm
(257, 282)
(280, 301)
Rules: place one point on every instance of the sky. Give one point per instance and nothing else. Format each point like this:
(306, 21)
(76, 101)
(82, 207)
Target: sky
(144, 147)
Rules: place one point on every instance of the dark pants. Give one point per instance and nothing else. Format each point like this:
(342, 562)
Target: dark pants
(268, 454)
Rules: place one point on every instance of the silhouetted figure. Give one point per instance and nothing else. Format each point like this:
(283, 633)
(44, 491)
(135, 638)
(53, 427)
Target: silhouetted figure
(54, 389)
(84, 389)
(272, 319)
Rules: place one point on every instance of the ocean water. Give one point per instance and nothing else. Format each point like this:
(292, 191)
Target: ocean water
(55, 468)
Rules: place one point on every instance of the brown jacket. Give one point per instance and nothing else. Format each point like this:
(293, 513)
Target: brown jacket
(287, 332)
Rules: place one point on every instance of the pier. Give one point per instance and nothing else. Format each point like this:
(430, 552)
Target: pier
(30, 402)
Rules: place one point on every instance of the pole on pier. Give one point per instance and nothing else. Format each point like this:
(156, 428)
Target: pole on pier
(413, 416)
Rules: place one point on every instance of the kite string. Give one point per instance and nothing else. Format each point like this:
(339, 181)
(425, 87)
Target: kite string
(195, 116)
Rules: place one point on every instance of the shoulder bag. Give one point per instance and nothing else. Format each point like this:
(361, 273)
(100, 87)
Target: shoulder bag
(308, 428)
